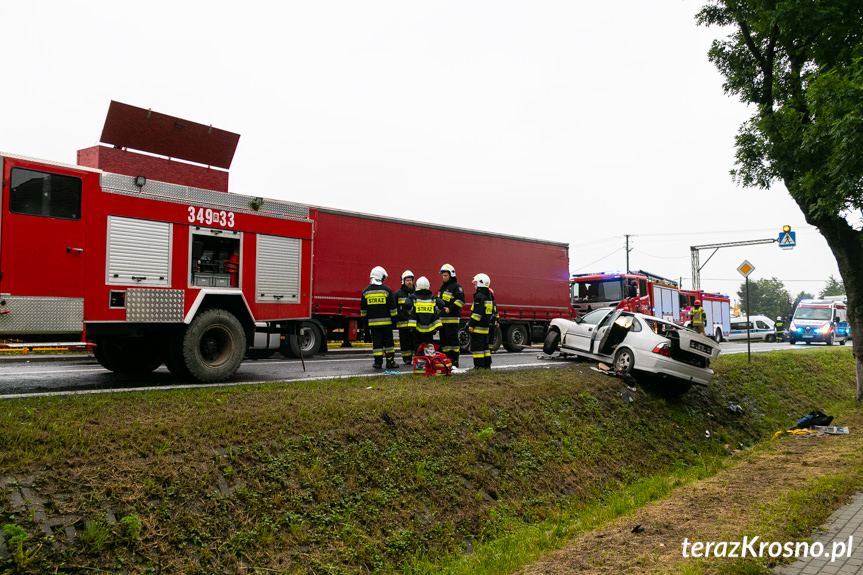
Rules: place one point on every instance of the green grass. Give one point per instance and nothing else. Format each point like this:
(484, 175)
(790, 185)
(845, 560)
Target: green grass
(311, 478)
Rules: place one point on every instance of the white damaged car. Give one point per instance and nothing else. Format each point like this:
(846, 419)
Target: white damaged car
(633, 342)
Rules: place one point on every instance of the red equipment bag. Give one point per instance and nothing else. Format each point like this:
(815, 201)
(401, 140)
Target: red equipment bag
(434, 365)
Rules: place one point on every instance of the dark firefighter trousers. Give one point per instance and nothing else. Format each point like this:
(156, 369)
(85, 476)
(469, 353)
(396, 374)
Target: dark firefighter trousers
(480, 350)
(383, 344)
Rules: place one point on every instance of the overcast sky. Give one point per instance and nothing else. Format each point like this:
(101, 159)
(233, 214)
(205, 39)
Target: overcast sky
(571, 121)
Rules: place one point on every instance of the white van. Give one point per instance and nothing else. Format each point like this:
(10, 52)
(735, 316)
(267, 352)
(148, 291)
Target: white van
(761, 328)
(817, 320)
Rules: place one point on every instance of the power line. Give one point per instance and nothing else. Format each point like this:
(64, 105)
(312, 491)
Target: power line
(599, 260)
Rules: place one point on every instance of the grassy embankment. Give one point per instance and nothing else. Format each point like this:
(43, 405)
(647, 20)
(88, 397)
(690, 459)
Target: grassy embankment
(469, 474)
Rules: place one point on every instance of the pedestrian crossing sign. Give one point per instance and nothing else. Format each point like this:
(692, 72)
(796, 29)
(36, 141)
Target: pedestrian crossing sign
(787, 240)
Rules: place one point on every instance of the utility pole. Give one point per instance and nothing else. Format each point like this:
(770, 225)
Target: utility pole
(627, 252)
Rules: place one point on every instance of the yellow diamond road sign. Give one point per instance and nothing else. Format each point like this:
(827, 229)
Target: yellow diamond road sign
(746, 268)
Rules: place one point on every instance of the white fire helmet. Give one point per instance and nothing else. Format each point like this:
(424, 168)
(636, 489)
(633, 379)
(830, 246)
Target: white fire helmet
(481, 280)
(407, 274)
(378, 273)
(448, 268)
(423, 283)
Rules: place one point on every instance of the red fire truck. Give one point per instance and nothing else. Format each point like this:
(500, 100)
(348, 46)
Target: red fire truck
(142, 268)
(638, 291)
(717, 308)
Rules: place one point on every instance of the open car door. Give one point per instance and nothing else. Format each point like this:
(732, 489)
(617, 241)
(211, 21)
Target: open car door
(614, 329)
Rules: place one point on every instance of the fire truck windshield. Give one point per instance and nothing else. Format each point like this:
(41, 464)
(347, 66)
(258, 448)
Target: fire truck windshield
(598, 290)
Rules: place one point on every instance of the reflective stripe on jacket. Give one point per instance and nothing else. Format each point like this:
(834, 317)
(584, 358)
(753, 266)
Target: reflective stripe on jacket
(452, 295)
(378, 305)
(482, 311)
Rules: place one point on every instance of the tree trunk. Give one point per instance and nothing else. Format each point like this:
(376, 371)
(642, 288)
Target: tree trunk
(847, 246)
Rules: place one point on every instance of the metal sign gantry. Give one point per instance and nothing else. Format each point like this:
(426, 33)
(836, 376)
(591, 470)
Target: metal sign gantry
(696, 268)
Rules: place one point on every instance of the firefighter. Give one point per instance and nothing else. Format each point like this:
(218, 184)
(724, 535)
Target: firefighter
(378, 306)
(482, 314)
(232, 266)
(424, 312)
(780, 329)
(406, 330)
(452, 295)
(698, 314)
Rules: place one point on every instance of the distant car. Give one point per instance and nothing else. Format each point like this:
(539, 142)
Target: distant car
(633, 342)
(761, 328)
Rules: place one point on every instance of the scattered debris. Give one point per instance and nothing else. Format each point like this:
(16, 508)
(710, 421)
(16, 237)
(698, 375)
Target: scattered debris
(815, 417)
(832, 430)
(735, 409)
(707, 434)
(638, 529)
(388, 420)
(626, 397)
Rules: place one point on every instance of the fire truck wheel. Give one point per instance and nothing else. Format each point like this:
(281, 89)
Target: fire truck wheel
(309, 343)
(213, 346)
(127, 355)
(552, 340)
(516, 338)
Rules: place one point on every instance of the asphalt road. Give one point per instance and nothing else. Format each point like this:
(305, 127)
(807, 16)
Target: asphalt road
(22, 376)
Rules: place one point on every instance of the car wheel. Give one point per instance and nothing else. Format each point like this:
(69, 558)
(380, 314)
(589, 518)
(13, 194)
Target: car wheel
(829, 340)
(552, 340)
(842, 342)
(770, 338)
(624, 361)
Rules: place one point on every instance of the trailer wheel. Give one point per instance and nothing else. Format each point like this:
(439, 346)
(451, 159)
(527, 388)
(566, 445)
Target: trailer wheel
(516, 338)
(552, 340)
(309, 343)
(129, 355)
(498, 339)
(212, 347)
(464, 339)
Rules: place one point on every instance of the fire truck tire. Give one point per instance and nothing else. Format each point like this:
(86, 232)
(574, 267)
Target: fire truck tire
(552, 340)
(718, 336)
(309, 343)
(517, 338)
(127, 355)
(212, 347)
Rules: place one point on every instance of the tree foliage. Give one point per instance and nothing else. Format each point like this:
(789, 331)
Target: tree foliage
(799, 64)
(766, 296)
(833, 287)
